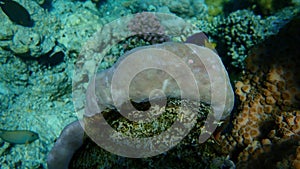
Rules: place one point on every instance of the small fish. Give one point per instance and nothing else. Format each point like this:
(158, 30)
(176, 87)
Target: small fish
(210, 45)
(201, 39)
(16, 13)
(18, 136)
(197, 39)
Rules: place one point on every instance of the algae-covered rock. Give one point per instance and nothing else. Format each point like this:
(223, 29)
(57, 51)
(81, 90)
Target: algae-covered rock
(6, 33)
(14, 73)
(5, 94)
(189, 153)
(29, 43)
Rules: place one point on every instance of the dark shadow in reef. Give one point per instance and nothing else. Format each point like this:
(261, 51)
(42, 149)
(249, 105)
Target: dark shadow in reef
(257, 7)
(47, 5)
(274, 156)
(50, 59)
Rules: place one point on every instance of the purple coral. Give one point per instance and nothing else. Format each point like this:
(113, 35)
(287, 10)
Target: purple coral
(147, 26)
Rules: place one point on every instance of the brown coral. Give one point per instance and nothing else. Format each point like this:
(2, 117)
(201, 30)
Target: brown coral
(269, 104)
(289, 123)
(296, 162)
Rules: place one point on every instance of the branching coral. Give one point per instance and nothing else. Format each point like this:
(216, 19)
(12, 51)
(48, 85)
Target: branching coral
(238, 33)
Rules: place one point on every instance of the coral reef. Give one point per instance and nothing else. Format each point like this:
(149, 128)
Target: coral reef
(241, 30)
(288, 123)
(147, 26)
(98, 46)
(182, 8)
(189, 153)
(186, 8)
(215, 7)
(269, 91)
(36, 66)
(37, 62)
(296, 161)
(28, 43)
(263, 7)
(268, 7)
(142, 85)
(146, 29)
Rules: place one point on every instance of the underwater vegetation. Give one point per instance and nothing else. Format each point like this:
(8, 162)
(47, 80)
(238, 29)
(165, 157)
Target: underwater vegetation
(41, 42)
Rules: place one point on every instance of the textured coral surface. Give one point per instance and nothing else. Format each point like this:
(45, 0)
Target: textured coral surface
(268, 115)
